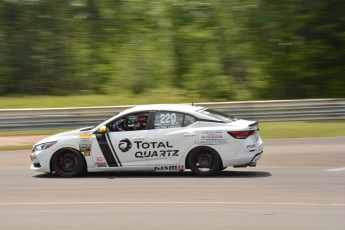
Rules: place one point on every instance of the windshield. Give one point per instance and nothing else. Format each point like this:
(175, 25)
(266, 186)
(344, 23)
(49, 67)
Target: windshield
(218, 115)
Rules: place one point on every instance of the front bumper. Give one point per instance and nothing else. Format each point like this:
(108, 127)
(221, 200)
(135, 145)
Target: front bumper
(40, 161)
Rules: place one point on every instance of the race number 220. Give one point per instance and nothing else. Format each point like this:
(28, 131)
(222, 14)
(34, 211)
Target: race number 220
(168, 118)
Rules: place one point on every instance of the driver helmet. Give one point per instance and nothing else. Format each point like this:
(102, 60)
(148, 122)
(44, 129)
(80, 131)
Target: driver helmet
(141, 122)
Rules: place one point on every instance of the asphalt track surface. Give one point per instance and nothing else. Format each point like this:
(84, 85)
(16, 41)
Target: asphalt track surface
(298, 184)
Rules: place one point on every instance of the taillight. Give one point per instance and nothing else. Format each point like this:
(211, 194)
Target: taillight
(241, 134)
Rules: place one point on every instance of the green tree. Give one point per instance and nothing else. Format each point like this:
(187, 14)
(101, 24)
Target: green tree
(301, 45)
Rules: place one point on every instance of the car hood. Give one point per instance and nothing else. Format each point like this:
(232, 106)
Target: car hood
(66, 134)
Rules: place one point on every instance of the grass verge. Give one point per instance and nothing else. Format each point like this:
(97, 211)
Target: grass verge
(302, 129)
(31, 132)
(14, 148)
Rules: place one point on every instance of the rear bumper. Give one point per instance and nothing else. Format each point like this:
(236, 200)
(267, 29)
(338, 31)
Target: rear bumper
(256, 157)
(252, 163)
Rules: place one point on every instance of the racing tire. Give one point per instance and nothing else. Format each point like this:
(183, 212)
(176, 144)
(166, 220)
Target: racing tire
(68, 163)
(204, 161)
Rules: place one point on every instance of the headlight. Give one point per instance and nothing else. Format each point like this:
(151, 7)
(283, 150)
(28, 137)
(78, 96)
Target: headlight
(43, 146)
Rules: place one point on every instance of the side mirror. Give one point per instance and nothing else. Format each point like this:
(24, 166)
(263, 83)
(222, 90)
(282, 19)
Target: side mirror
(102, 129)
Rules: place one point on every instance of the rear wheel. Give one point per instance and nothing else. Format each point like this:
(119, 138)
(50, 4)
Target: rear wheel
(204, 162)
(68, 163)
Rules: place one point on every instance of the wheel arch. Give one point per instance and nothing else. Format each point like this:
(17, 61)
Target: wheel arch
(200, 148)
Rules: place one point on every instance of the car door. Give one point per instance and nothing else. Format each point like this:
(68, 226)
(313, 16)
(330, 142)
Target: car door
(119, 144)
(170, 136)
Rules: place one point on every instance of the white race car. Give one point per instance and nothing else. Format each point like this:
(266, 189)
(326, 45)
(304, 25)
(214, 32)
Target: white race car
(153, 138)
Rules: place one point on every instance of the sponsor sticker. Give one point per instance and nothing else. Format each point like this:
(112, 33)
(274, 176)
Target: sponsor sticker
(160, 149)
(85, 143)
(159, 126)
(211, 135)
(211, 138)
(210, 142)
(169, 167)
(100, 162)
(158, 153)
(85, 136)
(85, 149)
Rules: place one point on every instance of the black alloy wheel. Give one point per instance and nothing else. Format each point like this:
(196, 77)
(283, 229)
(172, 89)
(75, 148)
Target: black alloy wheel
(68, 163)
(204, 162)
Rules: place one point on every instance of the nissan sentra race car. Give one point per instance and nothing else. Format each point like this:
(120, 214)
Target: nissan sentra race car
(153, 138)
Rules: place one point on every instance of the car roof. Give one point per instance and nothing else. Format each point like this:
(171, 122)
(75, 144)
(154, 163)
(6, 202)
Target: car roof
(184, 108)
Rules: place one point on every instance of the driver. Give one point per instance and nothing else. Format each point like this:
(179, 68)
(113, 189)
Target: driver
(140, 124)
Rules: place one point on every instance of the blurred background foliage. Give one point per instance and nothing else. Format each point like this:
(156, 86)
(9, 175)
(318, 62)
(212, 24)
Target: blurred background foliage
(211, 49)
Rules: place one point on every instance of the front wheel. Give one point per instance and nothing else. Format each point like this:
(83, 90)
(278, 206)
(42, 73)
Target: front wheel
(68, 163)
(204, 162)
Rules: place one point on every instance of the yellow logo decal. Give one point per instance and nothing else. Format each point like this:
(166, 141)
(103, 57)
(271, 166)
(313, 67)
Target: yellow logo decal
(85, 135)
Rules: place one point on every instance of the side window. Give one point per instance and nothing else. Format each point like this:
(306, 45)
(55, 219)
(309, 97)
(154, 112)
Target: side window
(130, 122)
(188, 120)
(166, 120)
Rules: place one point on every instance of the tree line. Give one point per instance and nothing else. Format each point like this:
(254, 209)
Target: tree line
(216, 49)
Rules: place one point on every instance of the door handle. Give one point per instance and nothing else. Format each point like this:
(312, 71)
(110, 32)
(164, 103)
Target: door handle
(138, 138)
(189, 134)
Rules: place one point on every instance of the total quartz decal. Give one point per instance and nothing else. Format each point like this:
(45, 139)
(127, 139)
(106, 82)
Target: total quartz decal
(161, 149)
(149, 149)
